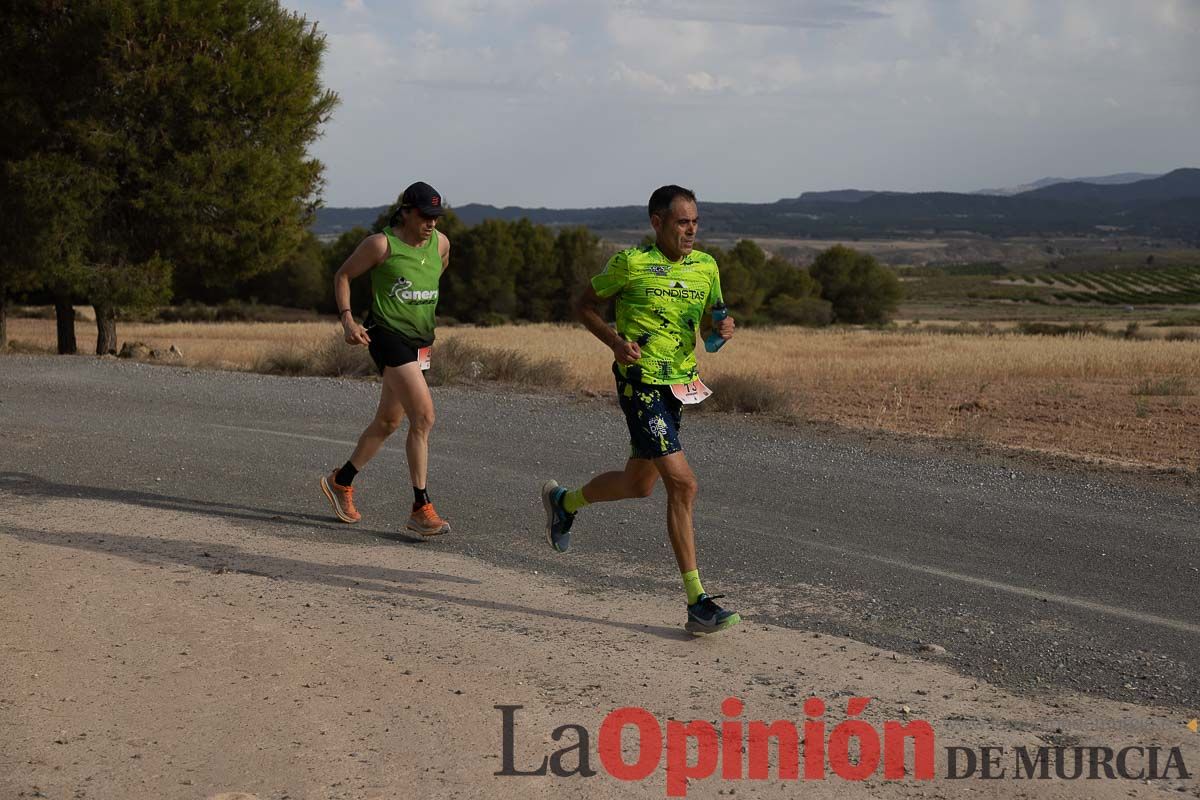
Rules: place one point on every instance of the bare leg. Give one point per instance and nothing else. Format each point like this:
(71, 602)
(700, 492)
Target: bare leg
(681, 486)
(405, 393)
(636, 480)
(387, 420)
(408, 384)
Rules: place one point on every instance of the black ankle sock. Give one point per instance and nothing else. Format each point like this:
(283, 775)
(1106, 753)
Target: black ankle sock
(420, 498)
(345, 475)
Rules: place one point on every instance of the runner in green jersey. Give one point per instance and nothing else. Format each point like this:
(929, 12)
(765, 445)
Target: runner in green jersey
(405, 263)
(662, 291)
(660, 304)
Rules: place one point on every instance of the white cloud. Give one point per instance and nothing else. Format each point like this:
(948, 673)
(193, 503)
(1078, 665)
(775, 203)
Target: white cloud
(638, 79)
(884, 93)
(706, 82)
(425, 40)
(912, 19)
(767, 13)
(661, 41)
(1082, 26)
(356, 59)
(1176, 14)
(471, 13)
(552, 41)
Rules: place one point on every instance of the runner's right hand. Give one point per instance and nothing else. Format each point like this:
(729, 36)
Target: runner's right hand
(355, 333)
(627, 352)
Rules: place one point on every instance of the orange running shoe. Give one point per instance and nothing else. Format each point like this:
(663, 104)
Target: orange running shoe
(426, 522)
(341, 498)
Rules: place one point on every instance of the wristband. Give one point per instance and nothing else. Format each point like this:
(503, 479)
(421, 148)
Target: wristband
(345, 311)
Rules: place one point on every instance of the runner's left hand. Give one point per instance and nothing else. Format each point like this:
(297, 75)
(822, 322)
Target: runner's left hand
(355, 334)
(725, 328)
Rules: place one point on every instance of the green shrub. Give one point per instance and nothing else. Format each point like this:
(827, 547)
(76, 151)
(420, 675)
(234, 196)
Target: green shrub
(491, 319)
(809, 311)
(1070, 329)
(860, 289)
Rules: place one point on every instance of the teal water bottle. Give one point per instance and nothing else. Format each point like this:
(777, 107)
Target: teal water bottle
(713, 342)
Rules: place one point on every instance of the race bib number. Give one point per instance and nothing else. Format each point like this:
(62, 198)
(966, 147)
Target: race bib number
(690, 393)
(423, 355)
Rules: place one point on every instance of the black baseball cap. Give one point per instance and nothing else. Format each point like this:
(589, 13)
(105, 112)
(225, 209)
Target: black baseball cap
(424, 198)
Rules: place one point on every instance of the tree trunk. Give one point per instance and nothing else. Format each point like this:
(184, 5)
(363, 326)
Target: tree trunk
(3, 320)
(64, 314)
(106, 329)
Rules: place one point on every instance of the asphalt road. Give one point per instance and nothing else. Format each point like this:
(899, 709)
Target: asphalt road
(1031, 575)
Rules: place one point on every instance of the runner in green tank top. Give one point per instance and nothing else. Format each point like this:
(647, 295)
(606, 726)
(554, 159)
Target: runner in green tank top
(405, 263)
(404, 288)
(661, 294)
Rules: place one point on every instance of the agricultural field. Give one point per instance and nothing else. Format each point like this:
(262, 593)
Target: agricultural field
(1092, 286)
(1165, 286)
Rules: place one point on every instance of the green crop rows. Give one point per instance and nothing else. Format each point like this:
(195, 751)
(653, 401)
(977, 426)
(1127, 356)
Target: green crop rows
(1171, 286)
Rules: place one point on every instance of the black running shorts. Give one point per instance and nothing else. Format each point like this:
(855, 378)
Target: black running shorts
(390, 349)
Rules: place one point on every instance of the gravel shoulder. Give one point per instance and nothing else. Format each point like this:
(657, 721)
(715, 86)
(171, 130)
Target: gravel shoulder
(168, 654)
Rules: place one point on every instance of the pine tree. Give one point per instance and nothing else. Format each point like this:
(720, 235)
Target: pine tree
(168, 138)
(859, 287)
(538, 282)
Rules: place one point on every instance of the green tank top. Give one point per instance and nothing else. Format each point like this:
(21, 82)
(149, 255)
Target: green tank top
(404, 289)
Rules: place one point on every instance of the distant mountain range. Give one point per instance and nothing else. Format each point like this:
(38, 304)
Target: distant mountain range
(1165, 205)
(1103, 180)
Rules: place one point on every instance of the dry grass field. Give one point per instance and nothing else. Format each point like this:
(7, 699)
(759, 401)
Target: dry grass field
(1089, 397)
(225, 345)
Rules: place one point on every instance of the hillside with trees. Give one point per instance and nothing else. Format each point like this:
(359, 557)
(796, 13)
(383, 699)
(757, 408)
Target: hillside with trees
(1161, 206)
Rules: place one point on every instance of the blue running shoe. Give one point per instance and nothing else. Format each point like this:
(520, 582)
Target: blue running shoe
(705, 616)
(558, 521)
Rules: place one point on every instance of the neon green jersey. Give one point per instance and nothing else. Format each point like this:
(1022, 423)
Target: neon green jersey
(659, 306)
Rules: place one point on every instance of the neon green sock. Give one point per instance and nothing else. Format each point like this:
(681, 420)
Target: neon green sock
(691, 584)
(574, 500)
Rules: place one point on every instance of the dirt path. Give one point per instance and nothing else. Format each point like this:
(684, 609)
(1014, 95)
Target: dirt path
(152, 653)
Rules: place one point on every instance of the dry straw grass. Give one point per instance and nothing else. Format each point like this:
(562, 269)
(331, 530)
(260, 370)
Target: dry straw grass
(227, 345)
(794, 359)
(457, 362)
(789, 359)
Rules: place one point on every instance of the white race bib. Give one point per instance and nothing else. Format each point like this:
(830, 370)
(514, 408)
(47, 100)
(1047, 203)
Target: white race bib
(690, 393)
(423, 355)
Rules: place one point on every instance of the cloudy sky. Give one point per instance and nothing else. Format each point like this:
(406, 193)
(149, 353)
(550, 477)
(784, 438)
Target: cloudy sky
(585, 103)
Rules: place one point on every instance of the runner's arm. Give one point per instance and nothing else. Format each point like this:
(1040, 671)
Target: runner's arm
(370, 253)
(444, 250)
(717, 296)
(587, 311)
